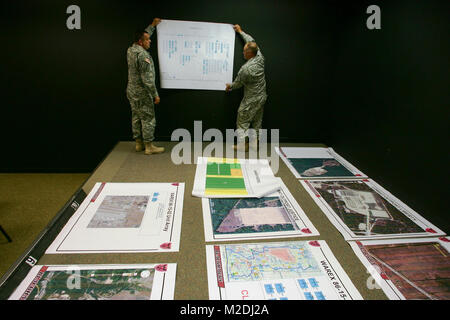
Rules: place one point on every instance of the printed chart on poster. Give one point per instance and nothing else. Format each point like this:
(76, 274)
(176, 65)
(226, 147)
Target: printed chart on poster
(317, 163)
(362, 209)
(124, 217)
(291, 270)
(274, 216)
(98, 282)
(195, 55)
(408, 269)
(231, 178)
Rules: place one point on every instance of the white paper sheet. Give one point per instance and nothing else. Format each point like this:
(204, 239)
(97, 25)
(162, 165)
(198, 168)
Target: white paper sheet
(291, 270)
(408, 269)
(98, 282)
(317, 163)
(124, 217)
(246, 178)
(277, 215)
(195, 55)
(362, 209)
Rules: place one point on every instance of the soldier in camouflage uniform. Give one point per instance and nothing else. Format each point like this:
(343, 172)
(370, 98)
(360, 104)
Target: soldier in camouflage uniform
(251, 76)
(141, 90)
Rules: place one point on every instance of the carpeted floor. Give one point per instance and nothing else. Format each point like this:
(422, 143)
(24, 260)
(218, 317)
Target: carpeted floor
(28, 202)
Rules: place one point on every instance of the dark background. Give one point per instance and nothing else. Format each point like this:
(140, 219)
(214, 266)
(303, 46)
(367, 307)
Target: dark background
(380, 98)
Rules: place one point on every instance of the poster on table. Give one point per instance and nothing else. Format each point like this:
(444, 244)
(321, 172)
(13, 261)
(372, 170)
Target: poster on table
(362, 209)
(291, 270)
(317, 163)
(124, 217)
(195, 55)
(408, 269)
(276, 215)
(231, 178)
(98, 282)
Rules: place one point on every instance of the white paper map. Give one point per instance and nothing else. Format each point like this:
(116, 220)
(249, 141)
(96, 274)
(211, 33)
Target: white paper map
(362, 209)
(231, 178)
(98, 282)
(124, 217)
(276, 215)
(317, 163)
(408, 269)
(291, 270)
(195, 55)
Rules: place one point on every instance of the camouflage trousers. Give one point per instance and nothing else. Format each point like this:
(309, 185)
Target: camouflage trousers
(250, 114)
(143, 121)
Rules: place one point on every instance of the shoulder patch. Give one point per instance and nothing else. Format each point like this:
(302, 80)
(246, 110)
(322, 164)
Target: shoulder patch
(147, 60)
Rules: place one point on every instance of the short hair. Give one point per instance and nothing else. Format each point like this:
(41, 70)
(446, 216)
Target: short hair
(253, 47)
(139, 34)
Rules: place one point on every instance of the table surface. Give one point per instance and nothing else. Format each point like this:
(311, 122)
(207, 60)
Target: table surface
(123, 164)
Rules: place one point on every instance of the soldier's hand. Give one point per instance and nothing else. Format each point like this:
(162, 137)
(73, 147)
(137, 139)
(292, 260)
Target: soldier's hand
(156, 21)
(237, 28)
(228, 87)
(157, 100)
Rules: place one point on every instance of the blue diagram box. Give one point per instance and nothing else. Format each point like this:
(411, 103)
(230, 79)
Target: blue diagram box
(269, 288)
(302, 284)
(308, 296)
(319, 295)
(313, 282)
(279, 287)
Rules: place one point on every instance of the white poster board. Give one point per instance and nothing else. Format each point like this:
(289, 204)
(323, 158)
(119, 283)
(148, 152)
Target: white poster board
(98, 282)
(408, 269)
(195, 55)
(291, 270)
(276, 215)
(124, 217)
(231, 178)
(317, 163)
(362, 209)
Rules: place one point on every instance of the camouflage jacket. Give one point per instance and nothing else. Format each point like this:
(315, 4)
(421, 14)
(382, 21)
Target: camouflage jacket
(141, 72)
(251, 75)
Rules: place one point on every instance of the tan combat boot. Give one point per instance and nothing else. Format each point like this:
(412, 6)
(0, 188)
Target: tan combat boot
(139, 145)
(150, 148)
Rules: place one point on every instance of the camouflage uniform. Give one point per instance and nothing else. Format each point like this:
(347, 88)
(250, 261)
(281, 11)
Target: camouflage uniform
(141, 91)
(251, 76)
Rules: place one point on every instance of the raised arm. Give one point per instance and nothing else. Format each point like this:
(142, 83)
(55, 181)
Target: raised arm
(151, 28)
(245, 36)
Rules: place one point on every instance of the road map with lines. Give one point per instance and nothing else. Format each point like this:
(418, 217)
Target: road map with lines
(290, 270)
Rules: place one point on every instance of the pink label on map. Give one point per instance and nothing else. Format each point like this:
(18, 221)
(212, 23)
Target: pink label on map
(166, 245)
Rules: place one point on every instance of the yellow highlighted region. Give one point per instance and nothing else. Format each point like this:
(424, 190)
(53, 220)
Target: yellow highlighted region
(216, 192)
(223, 160)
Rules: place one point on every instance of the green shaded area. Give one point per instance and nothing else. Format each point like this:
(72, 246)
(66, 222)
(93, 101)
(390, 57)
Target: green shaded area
(225, 183)
(223, 169)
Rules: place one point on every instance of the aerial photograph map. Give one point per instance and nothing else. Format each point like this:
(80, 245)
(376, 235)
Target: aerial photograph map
(120, 212)
(249, 215)
(98, 284)
(363, 210)
(309, 167)
(418, 270)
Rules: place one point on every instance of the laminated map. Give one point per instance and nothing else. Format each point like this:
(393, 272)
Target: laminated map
(291, 270)
(408, 269)
(362, 209)
(273, 216)
(98, 282)
(229, 178)
(317, 163)
(124, 217)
